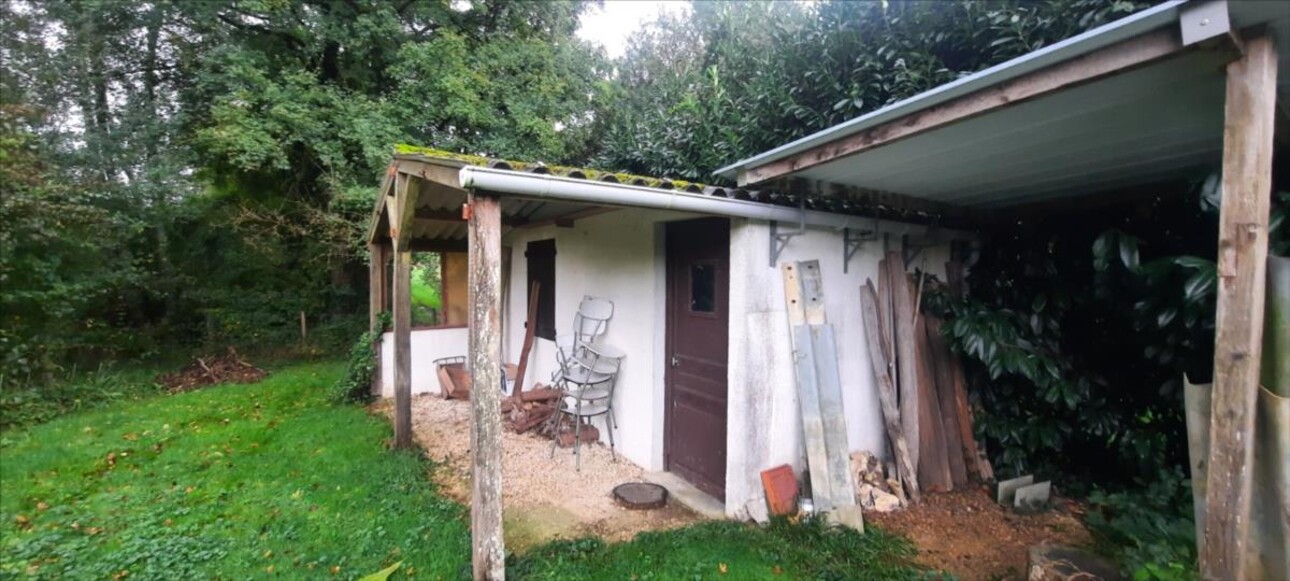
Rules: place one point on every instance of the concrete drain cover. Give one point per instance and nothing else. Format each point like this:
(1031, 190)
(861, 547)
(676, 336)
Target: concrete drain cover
(640, 495)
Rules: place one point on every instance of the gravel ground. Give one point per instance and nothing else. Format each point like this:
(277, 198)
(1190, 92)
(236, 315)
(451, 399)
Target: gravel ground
(544, 497)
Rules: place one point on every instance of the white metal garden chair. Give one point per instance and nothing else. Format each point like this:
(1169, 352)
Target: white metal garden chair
(590, 373)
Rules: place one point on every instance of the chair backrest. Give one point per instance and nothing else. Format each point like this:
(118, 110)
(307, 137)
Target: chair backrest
(592, 318)
(566, 346)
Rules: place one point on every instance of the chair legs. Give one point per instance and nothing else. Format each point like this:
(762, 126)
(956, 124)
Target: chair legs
(608, 417)
(577, 436)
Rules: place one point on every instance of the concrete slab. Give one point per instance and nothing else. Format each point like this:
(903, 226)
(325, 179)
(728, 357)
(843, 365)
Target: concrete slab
(689, 496)
(1008, 488)
(1033, 498)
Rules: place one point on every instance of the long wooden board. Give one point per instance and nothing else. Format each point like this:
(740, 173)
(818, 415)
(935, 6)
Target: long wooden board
(808, 399)
(905, 467)
(940, 356)
(934, 467)
(906, 353)
(820, 396)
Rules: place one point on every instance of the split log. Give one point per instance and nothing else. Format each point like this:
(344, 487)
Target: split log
(533, 418)
(887, 390)
(540, 393)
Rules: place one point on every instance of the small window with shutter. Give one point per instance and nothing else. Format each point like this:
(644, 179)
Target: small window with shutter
(541, 269)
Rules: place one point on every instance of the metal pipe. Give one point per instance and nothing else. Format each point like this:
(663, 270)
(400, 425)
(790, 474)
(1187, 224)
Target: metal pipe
(545, 186)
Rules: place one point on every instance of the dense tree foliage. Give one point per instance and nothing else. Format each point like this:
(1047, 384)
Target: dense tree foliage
(183, 173)
(698, 91)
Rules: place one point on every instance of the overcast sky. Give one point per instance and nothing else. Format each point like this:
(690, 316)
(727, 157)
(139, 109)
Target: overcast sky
(610, 26)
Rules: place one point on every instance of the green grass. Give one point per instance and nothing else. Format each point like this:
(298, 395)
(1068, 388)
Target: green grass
(728, 550)
(251, 481)
(230, 482)
(422, 293)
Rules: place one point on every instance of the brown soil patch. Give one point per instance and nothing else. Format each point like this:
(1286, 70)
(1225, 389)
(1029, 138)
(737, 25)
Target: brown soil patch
(969, 535)
(210, 370)
(545, 498)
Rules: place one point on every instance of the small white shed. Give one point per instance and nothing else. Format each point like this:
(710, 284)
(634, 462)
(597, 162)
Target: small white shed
(707, 388)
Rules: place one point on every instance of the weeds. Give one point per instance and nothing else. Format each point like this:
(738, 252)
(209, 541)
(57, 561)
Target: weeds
(1150, 529)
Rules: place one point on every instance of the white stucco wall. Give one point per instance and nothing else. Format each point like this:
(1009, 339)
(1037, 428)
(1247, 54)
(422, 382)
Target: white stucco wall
(427, 345)
(765, 425)
(618, 256)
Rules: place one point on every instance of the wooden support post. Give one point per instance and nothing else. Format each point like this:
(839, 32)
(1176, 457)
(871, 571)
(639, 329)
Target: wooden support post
(375, 285)
(1242, 272)
(403, 349)
(489, 554)
(387, 280)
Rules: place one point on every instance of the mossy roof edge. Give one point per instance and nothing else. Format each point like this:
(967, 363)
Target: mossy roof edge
(559, 170)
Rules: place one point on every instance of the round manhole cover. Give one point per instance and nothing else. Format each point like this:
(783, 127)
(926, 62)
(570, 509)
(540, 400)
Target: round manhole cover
(640, 495)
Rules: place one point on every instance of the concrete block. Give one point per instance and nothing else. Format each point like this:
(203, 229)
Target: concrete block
(1033, 498)
(1008, 488)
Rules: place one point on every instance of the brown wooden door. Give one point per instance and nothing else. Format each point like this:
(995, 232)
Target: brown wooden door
(698, 283)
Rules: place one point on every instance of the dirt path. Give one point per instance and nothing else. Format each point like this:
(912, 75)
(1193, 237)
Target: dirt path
(545, 498)
(969, 535)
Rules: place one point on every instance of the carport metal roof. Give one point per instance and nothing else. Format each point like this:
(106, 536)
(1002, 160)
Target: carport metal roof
(1132, 102)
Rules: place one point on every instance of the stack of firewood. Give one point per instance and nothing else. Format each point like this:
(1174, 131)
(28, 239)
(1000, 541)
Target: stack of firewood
(530, 409)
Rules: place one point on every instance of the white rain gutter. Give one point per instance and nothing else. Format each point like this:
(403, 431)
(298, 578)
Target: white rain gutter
(1105, 35)
(545, 186)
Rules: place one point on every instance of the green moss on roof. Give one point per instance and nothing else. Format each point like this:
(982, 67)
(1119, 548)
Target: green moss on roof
(559, 170)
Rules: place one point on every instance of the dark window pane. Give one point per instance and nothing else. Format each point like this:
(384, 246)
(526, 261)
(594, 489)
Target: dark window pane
(541, 269)
(703, 288)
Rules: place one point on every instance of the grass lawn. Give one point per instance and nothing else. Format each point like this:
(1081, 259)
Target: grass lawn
(250, 481)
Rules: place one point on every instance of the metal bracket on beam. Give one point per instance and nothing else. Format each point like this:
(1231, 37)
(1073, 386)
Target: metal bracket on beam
(852, 243)
(910, 250)
(779, 240)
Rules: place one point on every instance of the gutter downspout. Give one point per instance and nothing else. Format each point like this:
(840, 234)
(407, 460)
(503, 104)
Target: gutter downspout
(545, 186)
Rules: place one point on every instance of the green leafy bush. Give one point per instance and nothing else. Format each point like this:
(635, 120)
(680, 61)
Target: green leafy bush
(355, 386)
(1150, 529)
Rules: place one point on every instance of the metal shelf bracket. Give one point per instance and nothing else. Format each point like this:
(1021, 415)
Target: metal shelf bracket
(853, 240)
(779, 240)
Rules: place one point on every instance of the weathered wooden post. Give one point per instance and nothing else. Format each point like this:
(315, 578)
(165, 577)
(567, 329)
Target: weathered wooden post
(377, 256)
(403, 349)
(485, 264)
(1242, 270)
(405, 199)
